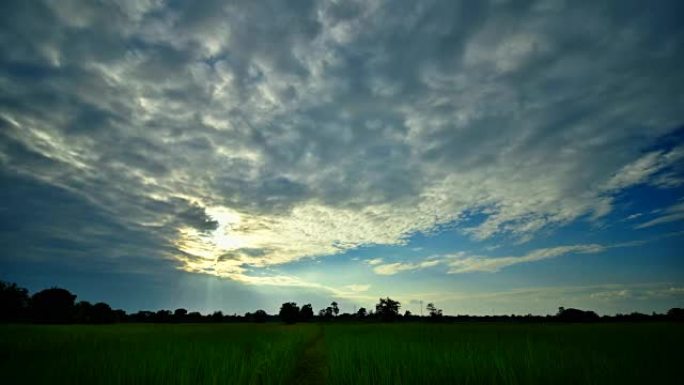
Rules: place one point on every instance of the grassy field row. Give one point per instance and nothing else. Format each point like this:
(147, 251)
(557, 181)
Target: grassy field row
(151, 354)
(341, 354)
(504, 354)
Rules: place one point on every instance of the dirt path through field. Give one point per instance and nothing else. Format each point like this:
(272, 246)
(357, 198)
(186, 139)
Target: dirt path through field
(311, 368)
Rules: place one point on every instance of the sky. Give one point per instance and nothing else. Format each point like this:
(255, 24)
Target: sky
(492, 157)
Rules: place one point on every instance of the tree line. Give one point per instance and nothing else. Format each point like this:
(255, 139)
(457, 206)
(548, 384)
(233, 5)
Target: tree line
(57, 305)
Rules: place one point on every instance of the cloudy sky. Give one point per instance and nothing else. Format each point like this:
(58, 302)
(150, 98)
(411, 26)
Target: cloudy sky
(491, 157)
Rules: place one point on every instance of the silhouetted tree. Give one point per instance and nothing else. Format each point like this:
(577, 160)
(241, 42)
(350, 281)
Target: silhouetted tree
(216, 316)
(335, 308)
(576, 315)
(83, 312)
(162, 316)
(345, 316)
(433, 311)
(195, 317)
(675, 314)
(53, 305)
(326, 313)
(119, 315)
(362, 313)
(633, 317)
(102, 313)
(179, 315)
(14, 302)
(260, 316)
(289, 312)
(142, 316)
(306, 313)
(430, 307)
(387, 309)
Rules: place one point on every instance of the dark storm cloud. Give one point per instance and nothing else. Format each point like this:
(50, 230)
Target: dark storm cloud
(372, 120)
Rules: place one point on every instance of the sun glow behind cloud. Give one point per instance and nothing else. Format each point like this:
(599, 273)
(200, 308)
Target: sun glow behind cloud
(310, 230)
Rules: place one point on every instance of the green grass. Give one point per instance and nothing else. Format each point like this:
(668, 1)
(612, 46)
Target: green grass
(150, 354)
(504, 354)
(341, 353)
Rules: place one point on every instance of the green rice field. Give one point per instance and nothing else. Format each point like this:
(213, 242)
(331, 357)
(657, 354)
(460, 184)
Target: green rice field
(417, 353)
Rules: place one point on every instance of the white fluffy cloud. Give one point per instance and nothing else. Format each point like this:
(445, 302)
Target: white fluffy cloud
(248, 134)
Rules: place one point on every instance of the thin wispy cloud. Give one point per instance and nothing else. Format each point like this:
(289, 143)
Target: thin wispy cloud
(462, 262)
(396, 267)
(671, 214)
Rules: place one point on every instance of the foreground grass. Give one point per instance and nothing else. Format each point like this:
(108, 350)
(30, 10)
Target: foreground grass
(150, 354)
(497, 353)
(504, 354)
